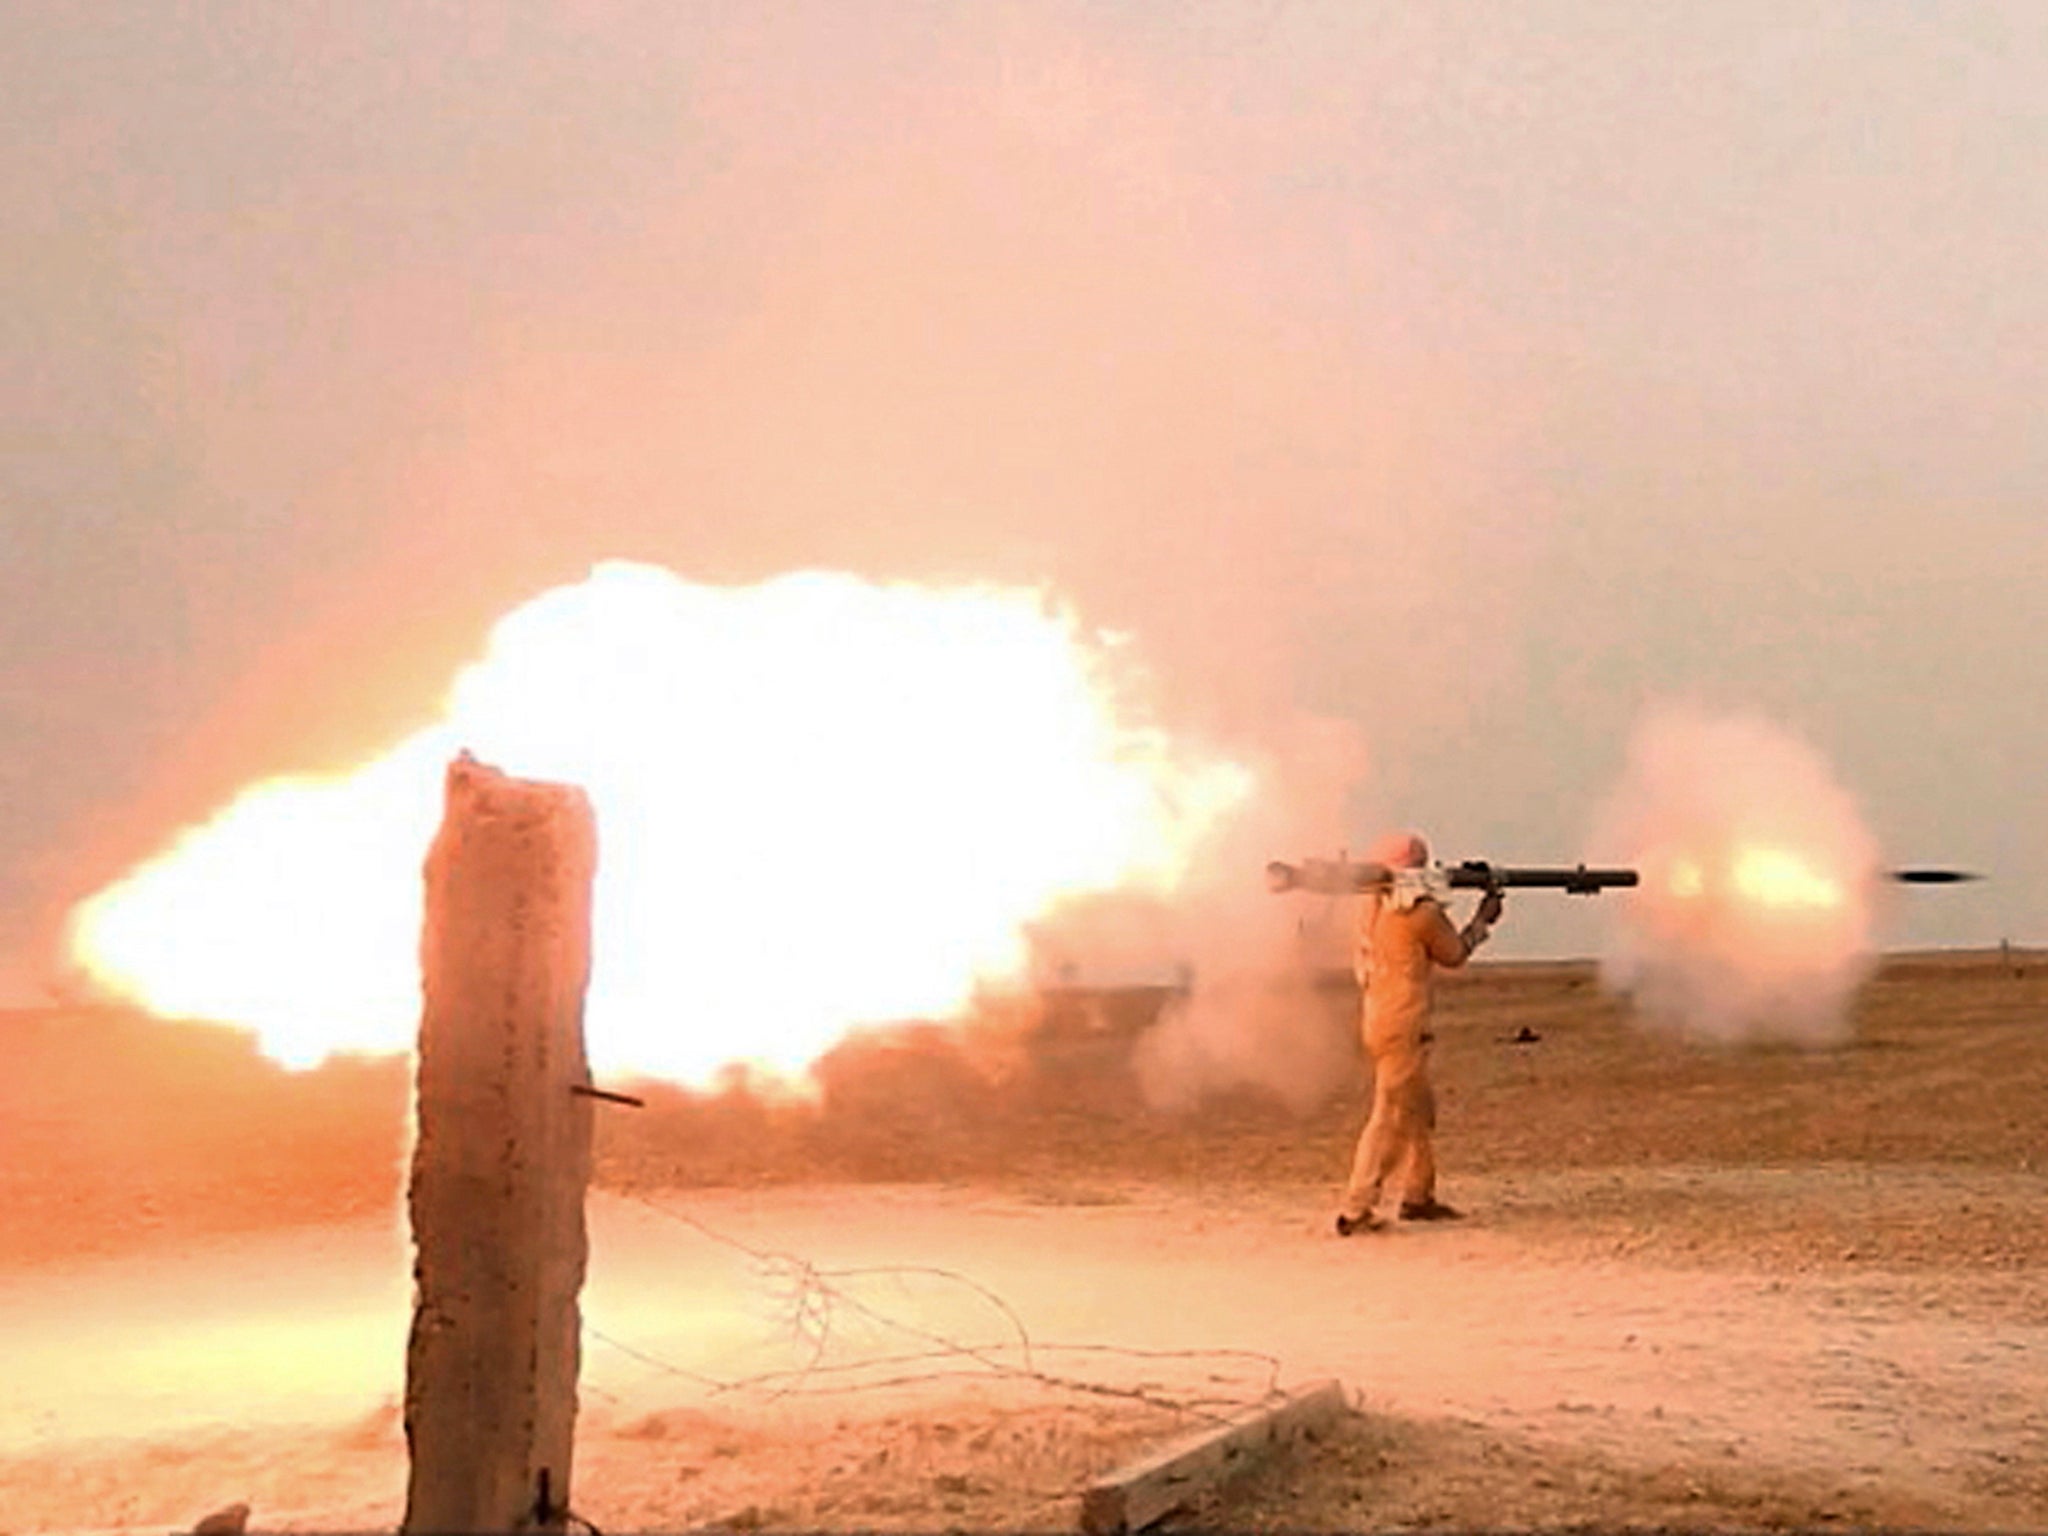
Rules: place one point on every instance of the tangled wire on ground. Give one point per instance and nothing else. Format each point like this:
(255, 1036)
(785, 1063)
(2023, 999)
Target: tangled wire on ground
(813, 1299)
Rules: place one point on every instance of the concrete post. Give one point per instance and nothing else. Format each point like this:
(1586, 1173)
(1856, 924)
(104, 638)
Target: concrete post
(502, 1157)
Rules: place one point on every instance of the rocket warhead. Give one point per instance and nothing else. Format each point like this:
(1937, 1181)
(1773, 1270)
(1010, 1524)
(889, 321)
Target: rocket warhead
(1930, 876)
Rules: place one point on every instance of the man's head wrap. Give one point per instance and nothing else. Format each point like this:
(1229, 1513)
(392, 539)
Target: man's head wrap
(1400, 850)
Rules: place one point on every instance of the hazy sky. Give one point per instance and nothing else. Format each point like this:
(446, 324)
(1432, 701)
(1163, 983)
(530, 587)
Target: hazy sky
(1478, 372)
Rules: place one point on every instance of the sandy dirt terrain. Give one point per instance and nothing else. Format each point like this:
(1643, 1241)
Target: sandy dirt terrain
(1698, 1288)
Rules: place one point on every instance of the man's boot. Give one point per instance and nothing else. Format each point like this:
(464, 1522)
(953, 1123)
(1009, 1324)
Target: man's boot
(1431, 1209)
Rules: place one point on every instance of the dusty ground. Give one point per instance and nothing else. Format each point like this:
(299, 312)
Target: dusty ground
(1699, 1288)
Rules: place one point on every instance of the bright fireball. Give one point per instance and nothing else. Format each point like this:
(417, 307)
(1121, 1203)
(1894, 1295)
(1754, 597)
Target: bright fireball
(821, 803)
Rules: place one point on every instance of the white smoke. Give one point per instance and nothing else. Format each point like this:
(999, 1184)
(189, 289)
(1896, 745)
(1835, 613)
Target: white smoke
(1265, 1027)
(1753, 919)
(1251, 1014)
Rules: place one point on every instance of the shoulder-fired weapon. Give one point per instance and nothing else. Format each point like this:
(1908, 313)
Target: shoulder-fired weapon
(1347, 877)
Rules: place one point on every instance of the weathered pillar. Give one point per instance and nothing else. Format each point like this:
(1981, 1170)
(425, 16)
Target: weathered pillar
(502, 1157)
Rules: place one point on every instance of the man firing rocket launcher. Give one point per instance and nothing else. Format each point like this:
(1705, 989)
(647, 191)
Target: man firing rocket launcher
(1404, 935)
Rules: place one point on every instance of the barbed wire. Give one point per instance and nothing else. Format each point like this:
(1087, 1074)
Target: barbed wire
(803, 1375)
(813, 1296)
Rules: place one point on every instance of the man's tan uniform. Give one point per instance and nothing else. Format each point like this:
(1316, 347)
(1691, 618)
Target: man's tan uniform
(1399, 948)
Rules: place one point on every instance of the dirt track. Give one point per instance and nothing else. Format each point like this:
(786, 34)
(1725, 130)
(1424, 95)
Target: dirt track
(1699, 1287)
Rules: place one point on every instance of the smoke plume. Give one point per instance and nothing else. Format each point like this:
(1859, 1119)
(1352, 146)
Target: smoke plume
(1753, 919)
(1249, 1014)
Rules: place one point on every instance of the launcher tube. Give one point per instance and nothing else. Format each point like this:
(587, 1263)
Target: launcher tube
(1343, 877)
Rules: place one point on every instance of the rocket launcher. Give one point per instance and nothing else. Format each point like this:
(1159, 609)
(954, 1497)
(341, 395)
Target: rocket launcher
(1345, 877)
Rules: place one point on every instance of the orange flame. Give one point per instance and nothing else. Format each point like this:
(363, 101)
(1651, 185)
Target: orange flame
(821, 803)
(1761, 876)
(1759, 909)
(1774, 877)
